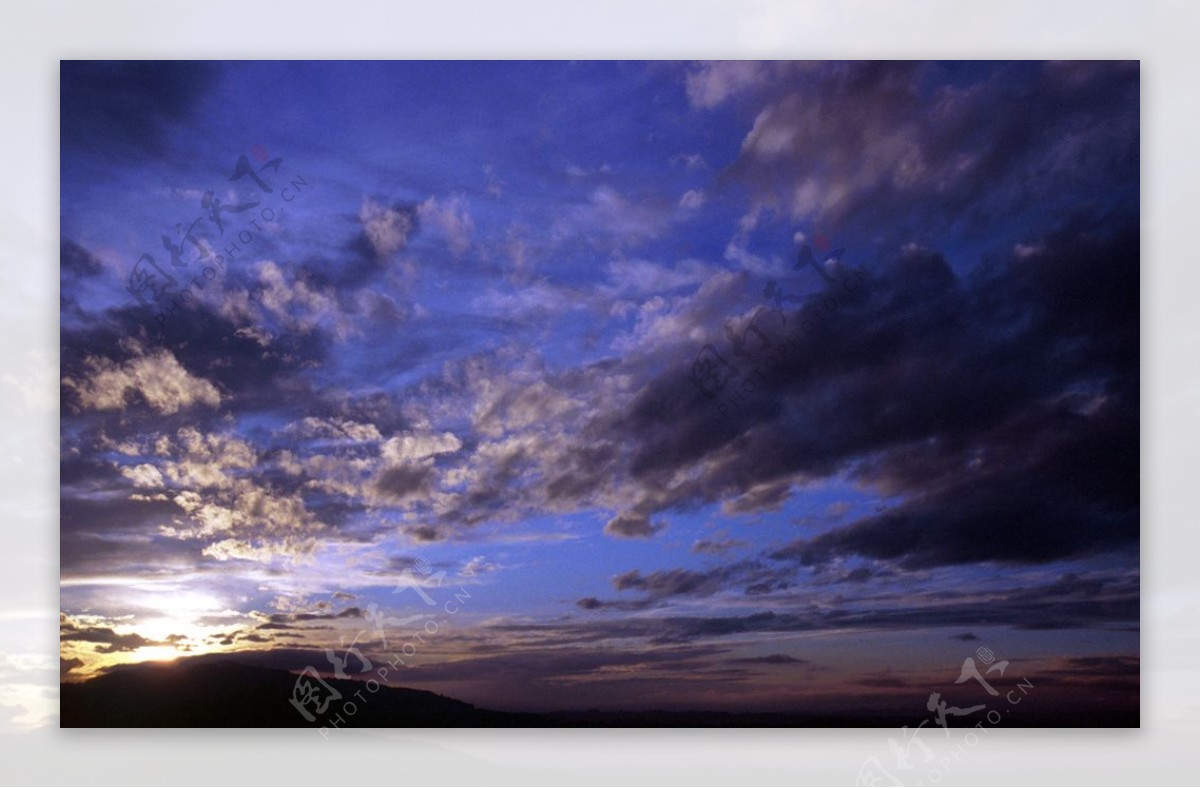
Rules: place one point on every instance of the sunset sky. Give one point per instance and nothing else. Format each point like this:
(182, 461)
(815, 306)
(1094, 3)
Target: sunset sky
(467, 335)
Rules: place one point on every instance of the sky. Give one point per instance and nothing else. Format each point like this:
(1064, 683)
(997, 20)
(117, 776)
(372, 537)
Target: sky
(727, 386)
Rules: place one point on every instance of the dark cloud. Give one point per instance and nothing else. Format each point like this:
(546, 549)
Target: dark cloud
(129, 108)
(770, 659)
(65, 666)
(425, 533)
(1116, 673)
(766, 498)
(96, 533)
(251, 637)
(716, 546)
(107, 640)
(1071, 602)
(1012, 518)
(632, 526)
(401, 482)
(208, 345)
(1003, 141)
(1005, 403)
(292, 618)
(858, 575)
(384, 230)
(592, 603)
(676, 582)
(76, 262)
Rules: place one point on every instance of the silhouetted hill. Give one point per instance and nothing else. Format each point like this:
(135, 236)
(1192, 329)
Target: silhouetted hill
(1115, 718)
(228, 694)
(206, 693)
(716, 719)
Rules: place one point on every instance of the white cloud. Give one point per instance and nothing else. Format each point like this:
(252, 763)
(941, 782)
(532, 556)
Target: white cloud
(608, 211)
(451, 218)
(144, 475)
(205, 460)
(247, 521)
(344, 429)
(690, 161)
(771, 135)
(642, 277)
(387, 229)
(532, 298)
(295, 303)
(478, 565)
(664, 322)
(262, 552)
(495, 186)
(158, 378)
(710, 84)
(692, 200)
(414, 446)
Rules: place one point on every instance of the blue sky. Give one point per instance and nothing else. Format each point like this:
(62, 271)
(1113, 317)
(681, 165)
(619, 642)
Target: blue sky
(464, 337)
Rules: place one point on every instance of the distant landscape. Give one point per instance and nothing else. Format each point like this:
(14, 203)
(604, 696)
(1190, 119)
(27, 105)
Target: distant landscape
(222, 693)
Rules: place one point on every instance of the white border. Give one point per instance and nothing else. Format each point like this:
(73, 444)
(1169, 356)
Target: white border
(1162, 34)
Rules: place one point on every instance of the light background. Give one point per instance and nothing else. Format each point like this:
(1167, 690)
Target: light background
(33, 37)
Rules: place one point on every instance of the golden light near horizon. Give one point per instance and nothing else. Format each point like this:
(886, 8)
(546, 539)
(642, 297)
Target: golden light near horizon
(170, 626)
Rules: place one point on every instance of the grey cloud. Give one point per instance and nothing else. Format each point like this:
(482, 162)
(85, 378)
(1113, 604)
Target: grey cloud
(632, 526)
